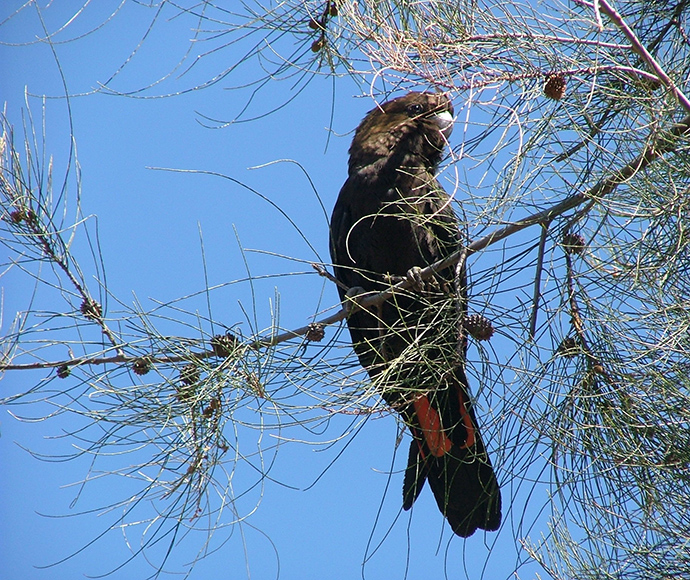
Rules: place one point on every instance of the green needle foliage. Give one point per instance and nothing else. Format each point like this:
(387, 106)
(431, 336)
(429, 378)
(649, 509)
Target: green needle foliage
(570, 172)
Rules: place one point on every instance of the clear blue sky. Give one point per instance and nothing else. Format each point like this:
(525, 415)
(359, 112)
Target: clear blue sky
(148, 224)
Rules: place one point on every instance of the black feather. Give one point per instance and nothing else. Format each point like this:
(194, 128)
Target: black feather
(392, 215)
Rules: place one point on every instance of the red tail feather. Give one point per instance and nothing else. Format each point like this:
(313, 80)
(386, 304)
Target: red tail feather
(447, 449)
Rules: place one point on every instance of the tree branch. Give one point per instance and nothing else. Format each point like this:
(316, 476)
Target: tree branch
(640, 49)
(664, 143)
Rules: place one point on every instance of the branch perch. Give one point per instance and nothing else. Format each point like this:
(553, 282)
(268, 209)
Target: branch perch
(664, 143)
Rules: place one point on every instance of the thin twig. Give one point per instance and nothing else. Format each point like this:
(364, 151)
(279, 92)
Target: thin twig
(596, 127)
(321, 271)
(537, 281)
(640, 49)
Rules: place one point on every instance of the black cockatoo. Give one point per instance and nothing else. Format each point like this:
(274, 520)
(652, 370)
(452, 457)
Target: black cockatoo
(392, 218)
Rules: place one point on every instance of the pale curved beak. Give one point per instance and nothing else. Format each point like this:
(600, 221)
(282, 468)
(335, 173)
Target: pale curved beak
(444, 120)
